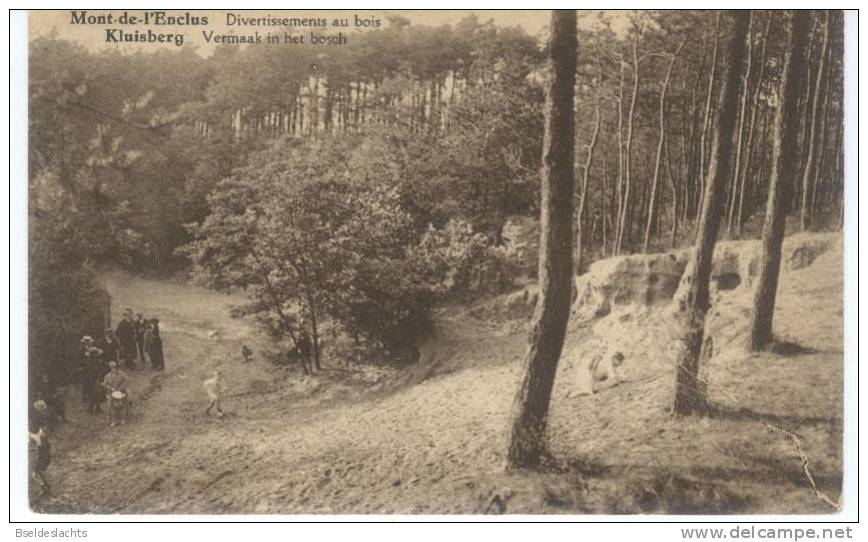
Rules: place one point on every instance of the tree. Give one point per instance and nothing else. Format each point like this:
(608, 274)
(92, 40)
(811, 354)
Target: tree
(530, 419)
(752, 129)
(661, 142)
(784, 169)
(689, 394)
(815, 128)
(583, 196)
(741, 128)
(706, 117)
(623, 222)
(306, 239)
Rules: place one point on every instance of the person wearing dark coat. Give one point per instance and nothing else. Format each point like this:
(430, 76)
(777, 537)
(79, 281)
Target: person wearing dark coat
(155, 346)
(94, 371)
(139, 325)
(126, 334)
(109, 346)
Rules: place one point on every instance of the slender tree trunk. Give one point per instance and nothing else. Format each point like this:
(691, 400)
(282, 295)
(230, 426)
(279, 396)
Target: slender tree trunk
(821, 146)
(586, 174)
(683, 161)
(690, 160)
(312, 114)
(616, 232)
(314, 330)
(328, 110)
(676, 197)
(300, 115)
(752, 131)
(605, 206)
(527, 443)
(706, 117)
(693, 177)
(689, 393)
(784, 169)
(815, 121)
(805, 101)
(839, 174)
(741, 128)
(753, 193)
(661, 141)
(624, 226)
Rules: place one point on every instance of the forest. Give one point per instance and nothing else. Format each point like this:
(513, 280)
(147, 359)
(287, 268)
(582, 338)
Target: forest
(352, 192)
(430, 137)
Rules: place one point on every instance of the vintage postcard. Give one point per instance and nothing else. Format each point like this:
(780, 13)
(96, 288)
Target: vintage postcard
(570, 262)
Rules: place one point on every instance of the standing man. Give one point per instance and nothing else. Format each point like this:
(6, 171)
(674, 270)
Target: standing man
(126, 334)
(94, 371)
(109, 346)
(139, 326)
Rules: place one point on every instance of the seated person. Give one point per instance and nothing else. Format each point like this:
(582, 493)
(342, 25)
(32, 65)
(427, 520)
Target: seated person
(115, 384)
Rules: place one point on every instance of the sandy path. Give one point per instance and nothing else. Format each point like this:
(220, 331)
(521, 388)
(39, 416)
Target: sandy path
(293, 444)
(276, 451)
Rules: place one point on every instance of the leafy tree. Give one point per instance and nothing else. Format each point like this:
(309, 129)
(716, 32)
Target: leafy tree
(305, 241)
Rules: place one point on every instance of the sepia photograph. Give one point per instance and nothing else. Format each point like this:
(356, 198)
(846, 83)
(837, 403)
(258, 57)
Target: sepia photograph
(437, 262)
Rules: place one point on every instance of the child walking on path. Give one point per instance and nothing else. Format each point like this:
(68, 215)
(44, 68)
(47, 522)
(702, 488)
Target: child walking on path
(214, 388)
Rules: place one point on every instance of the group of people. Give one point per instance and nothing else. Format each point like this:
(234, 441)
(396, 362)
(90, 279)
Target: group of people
(133, 343)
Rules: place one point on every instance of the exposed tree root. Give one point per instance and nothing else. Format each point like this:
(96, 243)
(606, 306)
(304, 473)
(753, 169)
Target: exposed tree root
(798, 442)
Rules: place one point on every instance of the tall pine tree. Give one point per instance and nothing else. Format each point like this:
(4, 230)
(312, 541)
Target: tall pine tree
(784, 169)
(527, 444)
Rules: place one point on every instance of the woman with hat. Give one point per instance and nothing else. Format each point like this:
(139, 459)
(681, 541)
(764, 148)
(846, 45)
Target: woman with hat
(155, 346)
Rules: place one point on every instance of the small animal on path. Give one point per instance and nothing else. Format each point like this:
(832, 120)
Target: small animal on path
(246, 353)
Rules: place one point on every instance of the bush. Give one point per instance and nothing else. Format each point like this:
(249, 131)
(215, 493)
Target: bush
(65, 302)
(458, 261)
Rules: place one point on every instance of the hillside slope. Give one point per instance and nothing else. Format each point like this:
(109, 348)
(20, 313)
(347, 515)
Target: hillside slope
(432, 438)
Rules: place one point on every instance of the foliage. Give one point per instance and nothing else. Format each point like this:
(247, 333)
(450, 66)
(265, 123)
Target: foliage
(459, 261)
(158, 138)
(366, 182)
(305, 238)
(64, 300)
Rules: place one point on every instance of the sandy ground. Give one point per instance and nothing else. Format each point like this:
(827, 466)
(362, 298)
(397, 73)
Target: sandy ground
(431, 438)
